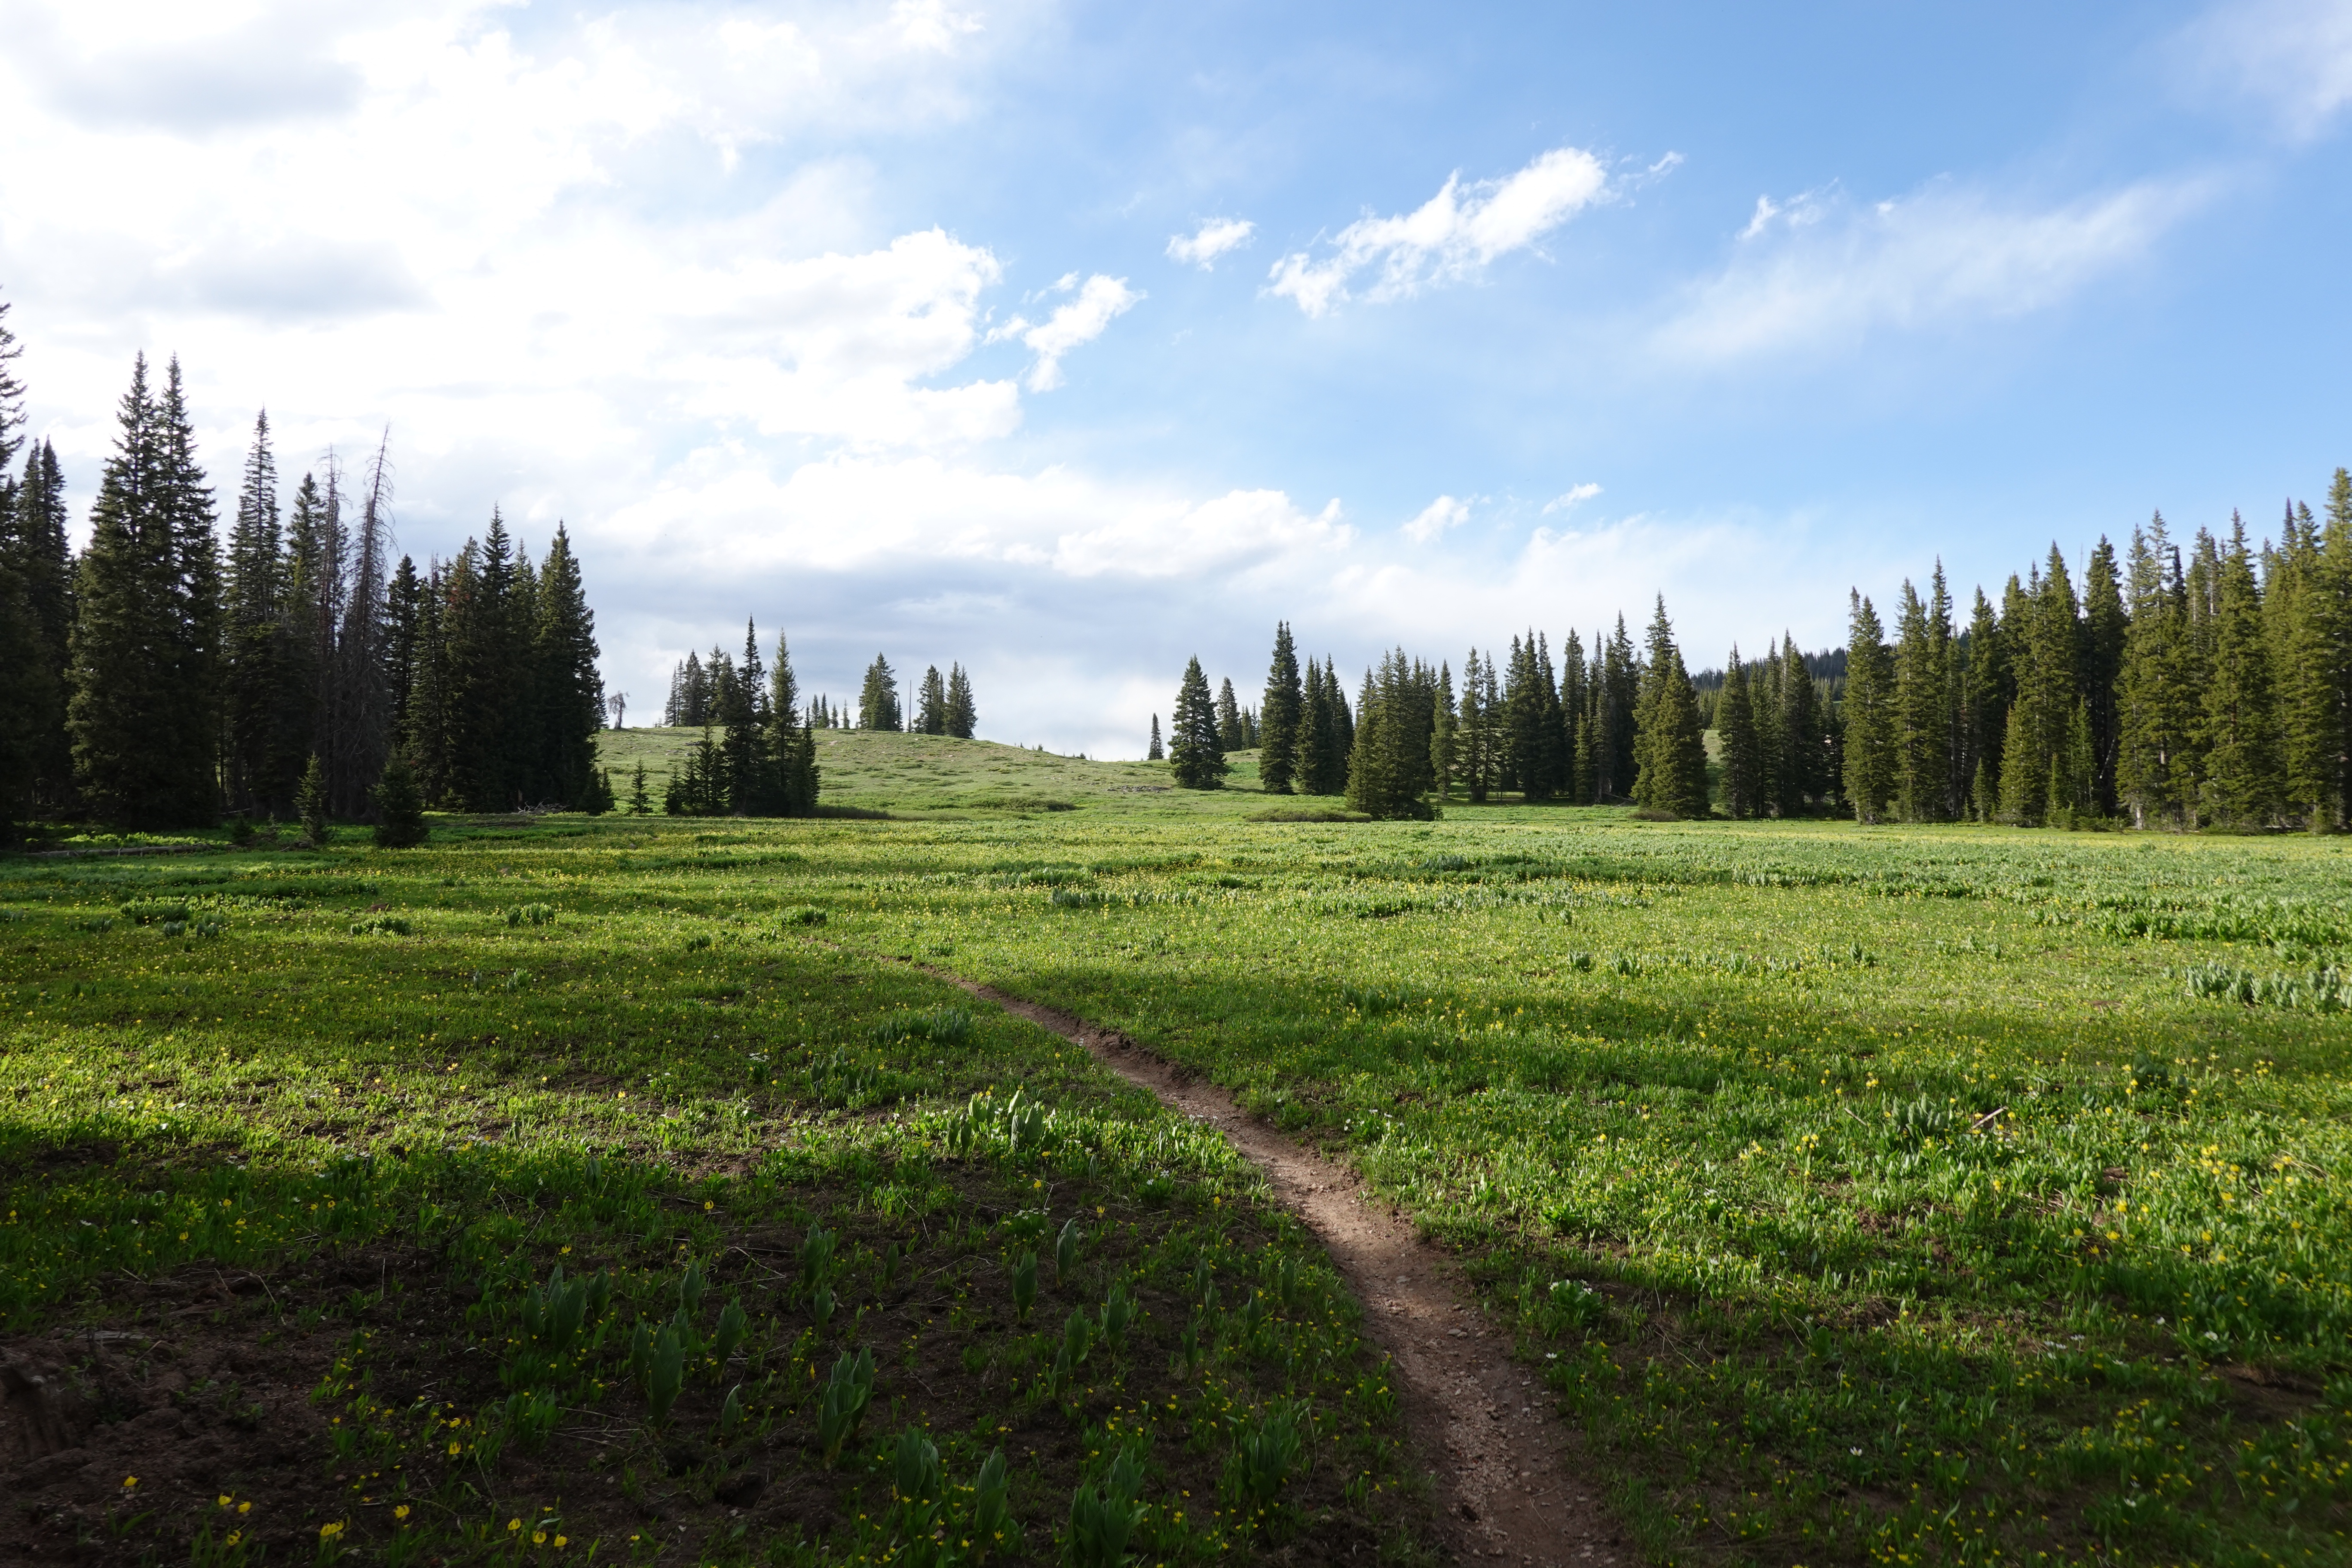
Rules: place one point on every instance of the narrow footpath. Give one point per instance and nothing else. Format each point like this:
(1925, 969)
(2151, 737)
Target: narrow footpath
(1505, 1466)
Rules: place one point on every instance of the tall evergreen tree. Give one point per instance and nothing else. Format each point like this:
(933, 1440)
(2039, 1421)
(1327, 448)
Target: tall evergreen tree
(1869, 714)
(1474, 744)
(253, 697)
(33, 544)
(1442, 735)
(963, 718)
(1279, 716)
(1806, 777)
(2241, 775)
(931, 704)
(1986, 700)
(1743, 755)
(1228, 717)
(878, 699)
(1921, 702)
(1194, 750)
(753, 783)
(2105, 624)
(2156, 708)
(1670, 753)
(1155, 752)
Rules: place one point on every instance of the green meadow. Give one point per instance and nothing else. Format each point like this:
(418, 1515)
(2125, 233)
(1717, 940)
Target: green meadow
(1897, 1195)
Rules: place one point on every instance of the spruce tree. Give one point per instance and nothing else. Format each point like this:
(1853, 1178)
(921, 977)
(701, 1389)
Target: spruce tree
(1194, 751)
(1155, 752)
(931, 704)
(1743, 757)
(963, 716)
(1444, 736)
(2105, 624)
(570, 689)
(1228, 717)
(1574, 781)
(483, 688)
(1805, 772)
(310, 802)
(1920, 709)
(424, 736)
(1868, 712)
(1318, 762)
(2241, 773)
(399, 808)
(878, 699)
(1279, 716)
(640, 802)
(1985, 701)
(792, 744)
(2156, 708)
(1670, 752)
(1474, 744)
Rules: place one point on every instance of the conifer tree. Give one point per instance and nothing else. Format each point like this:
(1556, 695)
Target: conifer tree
(1615, 695)
(404, 607)
(2155, 711)
(1920, 707)
(1986, 700)
(1155, 752)
(399, 808)
(1474, 739)
(1194, 751)
(2241, 780)
(310, 802)
(1279, 716)
(1670, 753)
(1321, 764)
(963, 718)
(931, 704)
(425, 735)
(792, 745)
(752, 784)
(570, 691)
(878, 699)
(1743, 757)
(483, 659)
(33, 544)
(1443, 738)
(640, 801)
(1806, 774)
(2104, 627)
(1869, 714)
(1575, 781)
(1228, 717)
(1343, 724)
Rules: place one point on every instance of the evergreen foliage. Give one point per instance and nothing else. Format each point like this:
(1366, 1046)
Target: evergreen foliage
(878, 699)
(399, 806)
(1743, 750)
(1670, 753)
(962, 715)
(1195, 751)
(1869, 714)
(310, 802)
(1155, 752)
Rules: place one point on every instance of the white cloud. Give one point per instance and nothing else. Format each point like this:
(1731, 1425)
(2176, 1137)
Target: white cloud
(1572, 498)
(1454, 236)
(1435, 518)
(1821, 273)
(1099, 301)
(1215, 237)
(2291, 59)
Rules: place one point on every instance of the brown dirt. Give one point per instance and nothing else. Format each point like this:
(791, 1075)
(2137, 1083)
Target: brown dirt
(1506, 1468)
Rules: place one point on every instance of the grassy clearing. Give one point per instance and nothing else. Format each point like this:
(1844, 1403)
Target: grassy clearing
(565, 1178)
(1894, 1195)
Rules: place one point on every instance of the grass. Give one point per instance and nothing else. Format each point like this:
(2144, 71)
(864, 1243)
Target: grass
(1907, 1195)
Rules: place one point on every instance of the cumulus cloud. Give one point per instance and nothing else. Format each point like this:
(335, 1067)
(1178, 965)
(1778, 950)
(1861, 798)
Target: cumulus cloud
(1571, 498)
(1821, 272)
(1452, 236)
(1099, 301)
(1435, 518)
(1215, 237)
(2291, 59)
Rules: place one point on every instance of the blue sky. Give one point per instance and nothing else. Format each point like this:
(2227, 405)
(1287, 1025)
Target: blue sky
(1067, 340)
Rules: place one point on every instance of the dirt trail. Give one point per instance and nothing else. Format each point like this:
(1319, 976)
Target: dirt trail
(1505, 1464)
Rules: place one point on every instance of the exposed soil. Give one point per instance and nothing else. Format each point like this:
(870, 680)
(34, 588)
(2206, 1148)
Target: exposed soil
(1506, 1467)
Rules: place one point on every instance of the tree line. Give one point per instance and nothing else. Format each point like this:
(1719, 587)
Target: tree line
(2187, 686)
(158, 679)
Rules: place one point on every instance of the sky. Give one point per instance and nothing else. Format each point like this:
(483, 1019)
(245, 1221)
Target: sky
(1068, 341)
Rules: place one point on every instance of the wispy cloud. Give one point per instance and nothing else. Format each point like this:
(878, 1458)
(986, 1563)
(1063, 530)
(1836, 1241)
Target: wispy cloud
(1819, 272)
(2291, 58)
(1454, 236)
(1571, 498)
(1099, 301)
(1435, 518)
(1215, 237)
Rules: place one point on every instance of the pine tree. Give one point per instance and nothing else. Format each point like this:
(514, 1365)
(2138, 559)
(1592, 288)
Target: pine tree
(640, 802)
(2105, 624)
(1805, 772)
(1155, 753)
(34, 545)
(931, 704)
(1869, 714)
(1670, 753)
(751, 784)
(361, 736)
(792, 744)
(404, 611)
(143, 715)
(1194, 752)
(1228, 717)
(2241, 774)
(2155, 711)
(963, 718)
(570, 691)
(1279, 715)
(1985, 700)
(483, 688)
(1743, 757)
(1474, 741)
(877, 701)
(1616, 694)
(425, 737)
(1920, 706)
(1443, 736)
(1575, 781)
(310, 802)
(399, 808)
(1321, 761)
(251, 697)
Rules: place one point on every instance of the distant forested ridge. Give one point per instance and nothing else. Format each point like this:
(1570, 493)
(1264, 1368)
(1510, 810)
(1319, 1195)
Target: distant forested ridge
(2198, 685)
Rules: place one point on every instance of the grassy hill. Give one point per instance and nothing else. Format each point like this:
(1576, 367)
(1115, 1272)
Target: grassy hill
(935, 775)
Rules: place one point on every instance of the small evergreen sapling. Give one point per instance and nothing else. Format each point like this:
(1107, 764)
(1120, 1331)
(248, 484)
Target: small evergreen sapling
(399, 807)
(311, 801)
